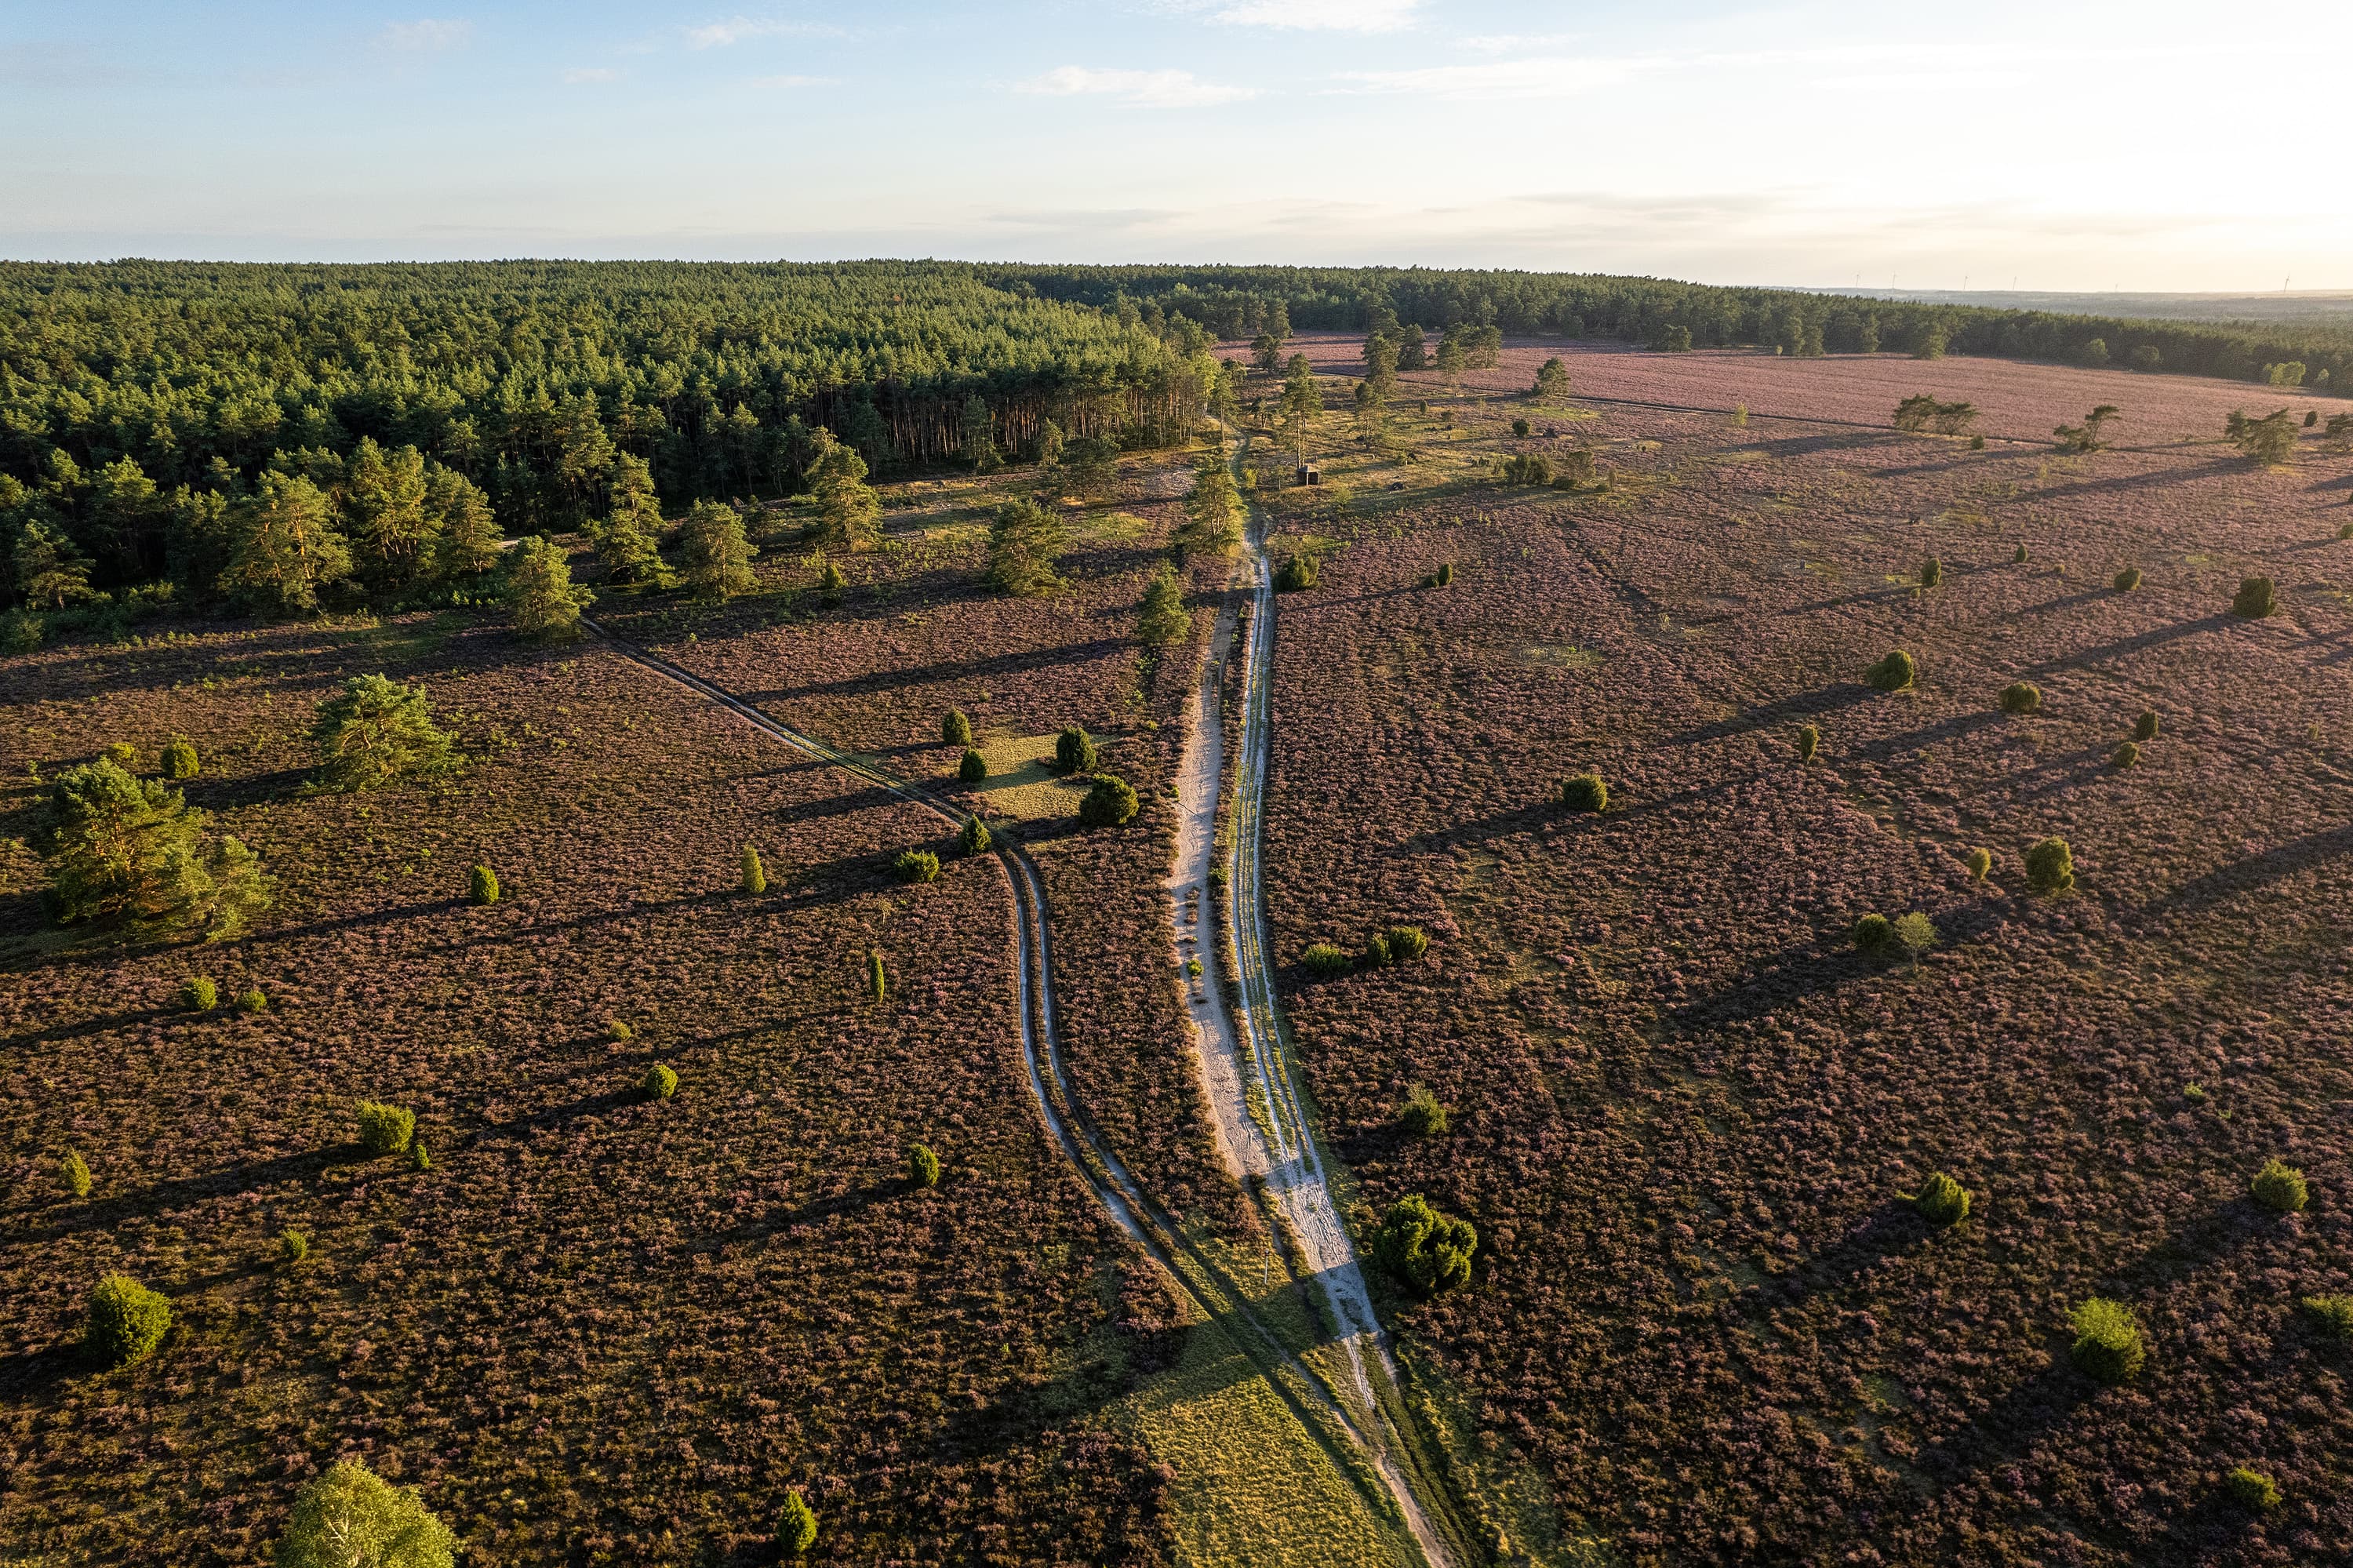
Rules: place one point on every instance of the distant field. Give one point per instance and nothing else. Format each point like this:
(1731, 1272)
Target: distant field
(1685, 1104)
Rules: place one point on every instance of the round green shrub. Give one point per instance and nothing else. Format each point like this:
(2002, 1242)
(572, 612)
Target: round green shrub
(1585, 792)
(1325, 958)
(251, 999)
(2051, 867)
(484, 888)
(350, 1517)
(972, 838)
(1426, 1250)
(795, 1525)
(123, 754)
(974, 768)
(1111, 803)
(1809, 741)
(922, 1166)
(1976, 443)
(1376, 951)
(1932, 572)
(916, 865)
(198, 995)
(2127, 755)
(1074, 751)
(2108, 1343)
(2252, 1490)
(2128, 579)
(2346, 532)
(955, 729)
(1406, 943)
(294, 1246)
(1519, 427)
(1421, 1115)
(126, 1320)
(1298, 574)
(618, 1032)
(1893, 674)
(2281, 1187)
(2255, 598)
(2022, 697)
(385, 1129)
(1873, 934)
(1981, 863)
(1915, 932)
(1942, 1201)
(180, 759)
(660, 1081)
(755, 876)
(2145, 726)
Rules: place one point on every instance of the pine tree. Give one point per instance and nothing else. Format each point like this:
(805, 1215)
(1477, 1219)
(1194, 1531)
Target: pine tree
(1024, 542)
(384, 512)
(540, 594)
(51, 573)
(466, 533)
(715, 559)
(978, 436)
(1213, 511)
(849, 512)
(129, 858)
(285, 546)
(376, 732)
(1552, 381)
(756, 876)
(628, 536)
(1164, 618)
(351, 1518)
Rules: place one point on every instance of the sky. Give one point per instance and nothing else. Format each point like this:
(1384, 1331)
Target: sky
(2093, 145)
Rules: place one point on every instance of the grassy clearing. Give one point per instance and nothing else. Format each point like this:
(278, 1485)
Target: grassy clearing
(1022, 784)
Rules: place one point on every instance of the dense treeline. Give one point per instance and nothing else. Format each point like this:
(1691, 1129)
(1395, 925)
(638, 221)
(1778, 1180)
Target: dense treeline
(281, 437)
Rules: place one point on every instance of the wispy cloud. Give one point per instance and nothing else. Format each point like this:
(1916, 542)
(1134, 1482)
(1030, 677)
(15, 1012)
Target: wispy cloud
(792, 81)
(425, 36)
(1320, 15)
(735, 29)
(1541, 77)
(1145, 89)
(579, 75)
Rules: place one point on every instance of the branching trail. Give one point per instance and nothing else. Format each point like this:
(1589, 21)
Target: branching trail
(1359, 1449)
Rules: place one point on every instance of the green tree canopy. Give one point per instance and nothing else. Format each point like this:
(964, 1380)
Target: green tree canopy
(351, 1518)
(377, 732)
(715, 556)
(130, 859)
(539, 592)
(1025, 540)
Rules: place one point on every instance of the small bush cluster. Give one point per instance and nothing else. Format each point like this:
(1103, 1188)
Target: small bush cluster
(1110, 803)
(1398, 945)
(198, 995)
(2281, 1187)
(1075, 751)
(922, 1166)
(180, 759)
(2144, 727)
(1942, 1201)
(1873, 934)
(2255, 598)
(1932, 573)
(1585, 792)
(2022, 697)
(2252, 1490)
(294, 1246)
(1442, 578)
(1427, 1251)
(1299, 573)
(385, 1129)
(1809, 741)
(972, 838)
(916, 865)
(2128, 580)
(1325, 958)
(252, 999)
(974, 768)
(483, 888)
(1421, 1115)
(955, 729)
(126, 1322)
(2051, 867)
(2126, 755)
(2331, 1315)
(795, 1525)
(75, 1174)
(660, 1081)
(2108, 1342)
(1981, 863)
(1893, 674)
(350, 1517)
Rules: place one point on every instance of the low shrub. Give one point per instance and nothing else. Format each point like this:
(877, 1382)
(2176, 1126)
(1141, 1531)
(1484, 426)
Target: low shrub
(484, 888)
(755, 876)
(1981, 863)
(385, 1129)
(1376, 950)
(2346, 532)
(123, 754)
(1932, 572)
(1873, 934)
(2108, 1343)
(1421, 1115)
(1442, 578)
(2126, 755)
(1074, 751)
(1427, 1251)
(419, 1156)
(1298, 574)
(660, 1081)
(618, 1032)
(922, 1167)
(2255, 599)
(795, 1525)
(1520, 428)
(1406, 943)
(878, 978)
(974, 768)
(2021, 558)
(1809, 741)
(1324, 959)
(972, 838)
(75, 1174)
(198, 995)
(2144, 727)
(126, 1322)
(2051, 867)
(180, 759)
(955, 729)
(1585, 792)
(2022, 697)
(2252, 1490)
(1916, 932)
(2128, 580)
(351, 1518)
(1893, 674)
(2281, 1187)
(1976, 443)
(2331, 1315)
(252, 999)
(916, 865)
(1109, 804)
(1942, 1201)
(294, 1246)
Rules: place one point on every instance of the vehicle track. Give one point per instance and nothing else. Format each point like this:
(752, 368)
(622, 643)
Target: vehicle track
(1332, 1421)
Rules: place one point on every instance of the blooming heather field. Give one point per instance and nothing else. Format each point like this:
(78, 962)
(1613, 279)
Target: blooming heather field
(1685, 1106)
(598, 1330)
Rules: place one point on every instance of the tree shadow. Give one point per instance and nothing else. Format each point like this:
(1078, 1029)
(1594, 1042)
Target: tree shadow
(2133, 644)
(2252, 873)
(29, 1375)
(1811, 967)
(2203, 1239)
(252, 939)
(2125, 485)
(99, 1025)
(990, 667)
(1959, 727)
(1819, 704)
(855, 1200)
(163, 1197)
(1888, 1232)
(2011, 1426)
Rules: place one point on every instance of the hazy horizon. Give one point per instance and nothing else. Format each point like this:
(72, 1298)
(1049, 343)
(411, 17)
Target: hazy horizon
(2110, 149)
